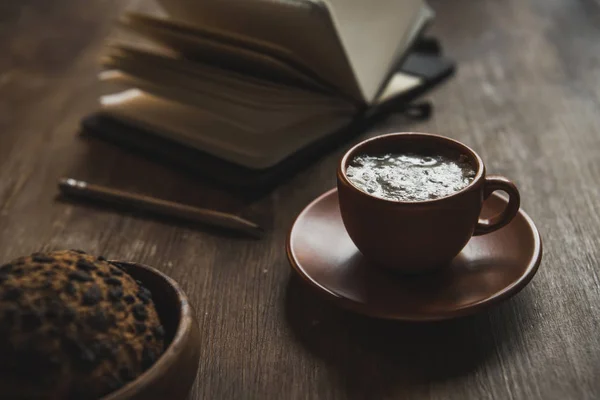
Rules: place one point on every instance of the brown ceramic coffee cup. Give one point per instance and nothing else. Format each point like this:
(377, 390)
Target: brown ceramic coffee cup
(419, 236)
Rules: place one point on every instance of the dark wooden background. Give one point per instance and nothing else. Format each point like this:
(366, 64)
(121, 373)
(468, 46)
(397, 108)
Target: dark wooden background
(526, 96)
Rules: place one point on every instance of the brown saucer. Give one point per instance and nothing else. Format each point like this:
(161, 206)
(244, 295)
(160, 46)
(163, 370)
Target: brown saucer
(491, 268)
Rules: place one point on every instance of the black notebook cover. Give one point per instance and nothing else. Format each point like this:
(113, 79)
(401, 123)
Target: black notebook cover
(424, 61)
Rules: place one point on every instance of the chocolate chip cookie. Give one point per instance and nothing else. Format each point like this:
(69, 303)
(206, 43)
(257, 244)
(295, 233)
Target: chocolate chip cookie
(73, 326)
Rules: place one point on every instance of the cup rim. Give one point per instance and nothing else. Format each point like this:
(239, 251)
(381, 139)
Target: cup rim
(352, 151)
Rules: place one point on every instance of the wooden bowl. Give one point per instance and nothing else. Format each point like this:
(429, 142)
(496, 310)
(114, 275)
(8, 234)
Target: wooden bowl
(172, 375)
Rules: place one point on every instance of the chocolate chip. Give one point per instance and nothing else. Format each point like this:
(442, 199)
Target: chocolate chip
(56, 267)
(78, 251)
(100, 321)
(18, 272)
(139, 312)
(148, 357)
(129, 299)
(144, 295)
(159, 332)
(100, 258)
(35, 268)
(85, 265)
(118, 266)
(12, 293)
(140, 327)
(126, 374)
(49, 273)
(92, 295)
(70, 288)
(113, 281)
(42, 259)
(30, 320)
(80, 276)
(119, 307)
(102, 274)
(149, 338)
(116, 272)
(145, 299)
(115, 293)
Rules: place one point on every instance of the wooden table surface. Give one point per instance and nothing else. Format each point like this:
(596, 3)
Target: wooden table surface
(526, 97)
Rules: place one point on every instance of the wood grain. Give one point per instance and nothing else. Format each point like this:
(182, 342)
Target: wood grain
(526, 97)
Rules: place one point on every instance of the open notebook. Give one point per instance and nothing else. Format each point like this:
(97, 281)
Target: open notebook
(253, 83)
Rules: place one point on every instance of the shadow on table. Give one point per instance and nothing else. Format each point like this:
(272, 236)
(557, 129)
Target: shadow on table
(375, 358)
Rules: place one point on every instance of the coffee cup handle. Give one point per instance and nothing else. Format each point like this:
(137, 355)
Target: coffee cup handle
(493, 183)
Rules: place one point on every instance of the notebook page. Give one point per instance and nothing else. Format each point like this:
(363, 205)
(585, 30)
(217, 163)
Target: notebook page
(199, 47)
(399, 82)
(425, 16)
(302, 26)
(247, 115)
(215, 135)
(375, 34)
(167, 71)
(219, 36)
